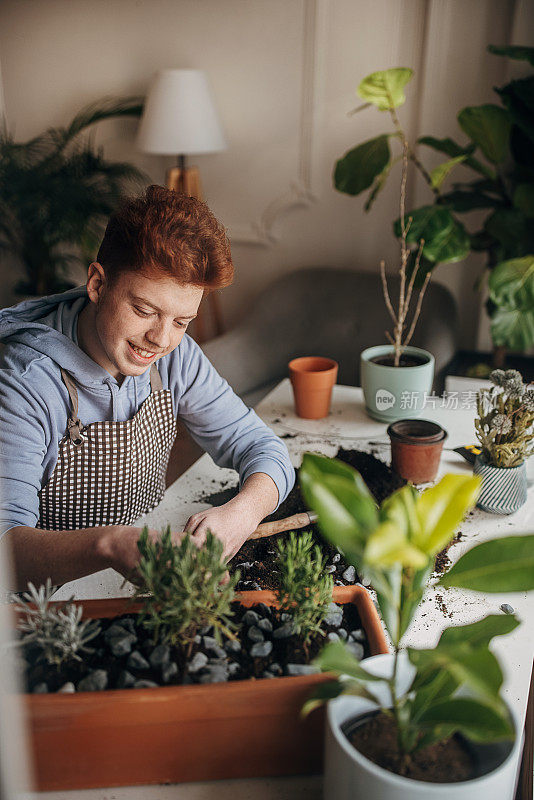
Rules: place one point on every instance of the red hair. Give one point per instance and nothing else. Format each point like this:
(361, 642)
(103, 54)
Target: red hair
(165, 233)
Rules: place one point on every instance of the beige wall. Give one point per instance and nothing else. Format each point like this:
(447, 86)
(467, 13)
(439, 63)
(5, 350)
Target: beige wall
(284, 74)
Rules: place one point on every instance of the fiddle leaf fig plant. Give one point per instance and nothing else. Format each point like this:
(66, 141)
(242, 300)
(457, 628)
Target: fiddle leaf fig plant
(394, 546)
(499, 156)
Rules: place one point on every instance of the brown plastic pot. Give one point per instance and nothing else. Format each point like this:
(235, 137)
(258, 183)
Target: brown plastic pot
(312, 379)
(239, 729)
(416, 446)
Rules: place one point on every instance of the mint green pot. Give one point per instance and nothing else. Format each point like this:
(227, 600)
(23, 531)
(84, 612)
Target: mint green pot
(393, 393)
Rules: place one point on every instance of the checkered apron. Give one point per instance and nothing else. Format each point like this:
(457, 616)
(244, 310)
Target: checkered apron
(110, 473)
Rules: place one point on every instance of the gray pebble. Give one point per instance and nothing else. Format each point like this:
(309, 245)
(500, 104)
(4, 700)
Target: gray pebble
(168, 671)
(211, 645)
(507, 608)
(356, 649)
(250, 617)
(330, 568)
(301, 669)
(263, 609)
(233, 668)
(209, 642)
(285, 617)
(96, 681)
(255, 635)
(160, 655)
(275, 668)
(349, 575)
(284, 631)
(214, 674)
(265, 625)
(116, 630)
(244, 565)
(197, 639)
(261, 649)
(40, 688)
(358, 635)
(207, 630)
(232, 646)
(198, 661)
(121, 645)
(267, 674)
(137, 661)
(144, 684)
(255, 586)
(333, 637)
(342, 633)
(128, 623)
(334, 617)
(125, 680)
(336, 558)
(67, 688)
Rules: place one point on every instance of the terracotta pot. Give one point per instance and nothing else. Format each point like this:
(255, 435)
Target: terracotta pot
(416, 446)
(172, 734)
(312, 379)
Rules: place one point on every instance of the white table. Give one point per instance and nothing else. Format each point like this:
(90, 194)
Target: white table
(349, 426)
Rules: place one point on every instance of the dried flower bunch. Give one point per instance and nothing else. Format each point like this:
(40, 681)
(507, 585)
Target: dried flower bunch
(505, 423)
(182, 588)
(58, 633)
(305, 590)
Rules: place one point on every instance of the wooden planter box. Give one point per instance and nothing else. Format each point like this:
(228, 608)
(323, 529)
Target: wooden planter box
(173, 734)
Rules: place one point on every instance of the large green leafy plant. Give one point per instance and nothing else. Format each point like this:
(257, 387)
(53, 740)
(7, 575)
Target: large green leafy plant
(395, 546)
(500, 156)
(56, 192)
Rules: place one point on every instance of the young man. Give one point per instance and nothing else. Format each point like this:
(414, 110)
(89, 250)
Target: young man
(91, 384)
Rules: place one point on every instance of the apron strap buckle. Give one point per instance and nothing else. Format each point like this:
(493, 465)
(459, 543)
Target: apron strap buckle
(75, 430)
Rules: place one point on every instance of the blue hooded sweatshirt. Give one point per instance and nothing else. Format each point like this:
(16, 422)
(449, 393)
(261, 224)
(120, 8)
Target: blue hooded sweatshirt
(40, 337)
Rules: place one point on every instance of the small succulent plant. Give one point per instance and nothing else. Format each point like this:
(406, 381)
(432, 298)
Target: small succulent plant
(183, 588)
(305, 590)
(58, 632)
(505, 423)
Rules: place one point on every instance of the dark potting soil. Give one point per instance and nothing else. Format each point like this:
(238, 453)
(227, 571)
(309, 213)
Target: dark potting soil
(214, 664)
(405, 361)
(443, 562)
(444, 762)
(256, 558)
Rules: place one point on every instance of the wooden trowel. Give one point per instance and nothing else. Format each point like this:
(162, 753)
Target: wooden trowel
(286, 524)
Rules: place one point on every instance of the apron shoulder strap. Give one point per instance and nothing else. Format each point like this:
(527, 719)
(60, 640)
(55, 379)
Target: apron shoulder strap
(74, 426)
(155, 379)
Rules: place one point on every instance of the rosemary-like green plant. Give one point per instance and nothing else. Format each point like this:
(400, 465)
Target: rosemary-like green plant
(505, 423)
(58, 633)
(305, 589)
(182, 588)
(395, 546)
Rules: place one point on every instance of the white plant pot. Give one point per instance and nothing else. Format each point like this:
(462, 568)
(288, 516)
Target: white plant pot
(349, 775)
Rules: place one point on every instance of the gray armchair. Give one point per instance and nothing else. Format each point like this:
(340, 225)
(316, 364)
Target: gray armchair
(327, 312)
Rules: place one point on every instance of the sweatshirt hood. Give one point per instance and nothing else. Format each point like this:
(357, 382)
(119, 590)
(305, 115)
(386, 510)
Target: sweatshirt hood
(47, 326)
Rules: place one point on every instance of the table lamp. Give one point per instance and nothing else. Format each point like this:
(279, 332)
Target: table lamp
(180, 119)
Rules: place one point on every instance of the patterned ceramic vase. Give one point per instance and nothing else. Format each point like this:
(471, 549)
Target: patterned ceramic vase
(504, 489)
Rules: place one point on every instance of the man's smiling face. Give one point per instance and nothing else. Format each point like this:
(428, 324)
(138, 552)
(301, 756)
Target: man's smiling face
(135, 320)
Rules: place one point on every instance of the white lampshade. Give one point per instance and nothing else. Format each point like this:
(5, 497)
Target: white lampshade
(179, 117)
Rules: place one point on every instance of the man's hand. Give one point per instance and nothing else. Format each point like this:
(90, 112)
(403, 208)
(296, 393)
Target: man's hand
(236, 520)
(119, 547)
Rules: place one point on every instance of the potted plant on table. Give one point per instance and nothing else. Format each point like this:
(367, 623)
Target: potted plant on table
(162, 693)
(405, 725)
(505, 430)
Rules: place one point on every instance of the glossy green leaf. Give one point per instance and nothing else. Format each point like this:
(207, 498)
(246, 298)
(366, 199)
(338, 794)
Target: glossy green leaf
(518, 97)
(474, 668)
(479, 633)
(517, 52)
(488, 126)
(388, 545)
(464, 200)
(400, 508)
(452, 247)
(524, 199)
(428, 223)
(411, 595)
(500, 565)
(441, 509)
(453, 149)
(510, 227)
(336, 657)
(475, 720)
(511, 288)
(360, 166)
(439, 173)
(385, 89)
(321, 694)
